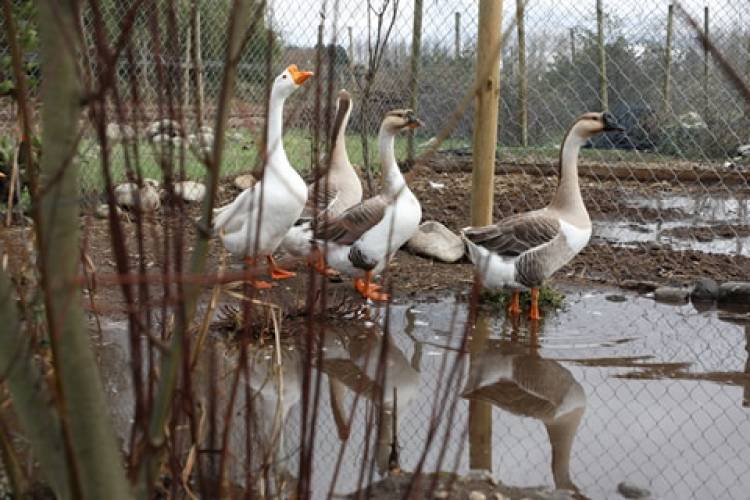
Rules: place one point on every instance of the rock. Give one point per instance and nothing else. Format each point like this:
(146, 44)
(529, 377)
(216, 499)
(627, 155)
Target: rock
(615, 297)
(440, 494)
(499, 496)
(477, 495)
(671, 294)
(120, 133)
(705, 289)
(102, 211)
(145, 199)
(743, 150)
(734, 292)
(630, 490)
(245, 181)
(190, 191)
(433, 239)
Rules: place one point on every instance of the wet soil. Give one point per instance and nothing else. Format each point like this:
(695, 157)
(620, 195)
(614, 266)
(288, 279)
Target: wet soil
(709, 233)
(445, 197)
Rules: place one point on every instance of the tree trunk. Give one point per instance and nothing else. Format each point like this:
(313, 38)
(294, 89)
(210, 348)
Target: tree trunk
(603, 97)
(668, 62)
(523, 87)
(97, 460)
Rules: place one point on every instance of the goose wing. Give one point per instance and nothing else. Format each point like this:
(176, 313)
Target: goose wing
(354, 222)
(320, 204)
(516, 234)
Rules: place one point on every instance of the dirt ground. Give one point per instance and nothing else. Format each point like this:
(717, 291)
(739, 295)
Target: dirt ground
(445, 197)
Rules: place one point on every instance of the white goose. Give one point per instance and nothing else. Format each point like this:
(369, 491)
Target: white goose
(362, 240)
(338, 189)
(521, 251)
(248, 229)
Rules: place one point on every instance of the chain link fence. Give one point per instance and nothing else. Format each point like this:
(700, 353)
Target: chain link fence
(673, 190)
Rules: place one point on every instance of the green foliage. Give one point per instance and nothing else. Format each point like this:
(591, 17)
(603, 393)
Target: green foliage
(24, 15)
(548, 298)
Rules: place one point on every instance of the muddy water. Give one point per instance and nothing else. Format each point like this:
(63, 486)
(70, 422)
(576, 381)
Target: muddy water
(705, 210)
(614, 390)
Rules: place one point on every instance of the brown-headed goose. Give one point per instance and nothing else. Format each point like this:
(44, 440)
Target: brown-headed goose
(338, 189)
(362, 240)
(521, 251)
(248, 229)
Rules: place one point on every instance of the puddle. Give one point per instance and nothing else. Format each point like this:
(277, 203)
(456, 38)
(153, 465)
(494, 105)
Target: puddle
(703, 210)
(615, 390)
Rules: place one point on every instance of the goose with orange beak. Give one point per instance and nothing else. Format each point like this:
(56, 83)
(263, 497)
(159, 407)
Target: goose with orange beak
(253, 225)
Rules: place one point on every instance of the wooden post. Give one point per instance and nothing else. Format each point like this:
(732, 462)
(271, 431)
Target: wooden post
(705, 63)
(186, 70)
(668, 62)
(572, 45)
(457, 37)
(480, 412)
(197, 61)
(351, 46)
(603, 99)
(485, 118)
(523, 90)
(416, 58)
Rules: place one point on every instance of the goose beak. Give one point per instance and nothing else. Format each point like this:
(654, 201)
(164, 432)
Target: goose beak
(298, 76)
(610, 123)
(413, 121)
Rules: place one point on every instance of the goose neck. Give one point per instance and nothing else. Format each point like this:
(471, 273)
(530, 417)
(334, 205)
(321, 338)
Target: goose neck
(393, 180)
(275, 129)
(568, 195)
(562, 432)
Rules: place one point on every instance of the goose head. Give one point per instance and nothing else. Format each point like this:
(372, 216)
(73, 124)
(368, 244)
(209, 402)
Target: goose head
(289, 81)
(400, 119)
(591, 124)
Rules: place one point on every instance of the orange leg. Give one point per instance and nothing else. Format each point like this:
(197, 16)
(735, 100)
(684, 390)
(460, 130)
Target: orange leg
(534, 312)
(259, 284)
(369, 290)
(319, 264)
(276, 272)
(514, 308)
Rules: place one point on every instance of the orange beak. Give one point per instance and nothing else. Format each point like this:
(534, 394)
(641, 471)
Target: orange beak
(298, 76)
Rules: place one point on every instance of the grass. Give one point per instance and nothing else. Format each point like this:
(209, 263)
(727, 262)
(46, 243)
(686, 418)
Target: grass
(548, 298)
(240, 155)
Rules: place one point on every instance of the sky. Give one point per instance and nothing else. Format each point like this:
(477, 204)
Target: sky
(298, 19)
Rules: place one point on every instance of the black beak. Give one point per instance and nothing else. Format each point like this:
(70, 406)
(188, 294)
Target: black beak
(610, 123)
(412, 121)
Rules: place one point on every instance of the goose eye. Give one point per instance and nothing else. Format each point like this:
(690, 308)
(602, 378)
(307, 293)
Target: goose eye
(283, 76)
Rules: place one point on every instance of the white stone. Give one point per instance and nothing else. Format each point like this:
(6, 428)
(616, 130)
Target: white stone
(434, 240)
(145, 199)
(245, 181)
(477, 495)
(120, 133)
(190, 191)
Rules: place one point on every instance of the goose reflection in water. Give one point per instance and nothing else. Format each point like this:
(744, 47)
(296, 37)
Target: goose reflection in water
(518, 380)
(360, 358)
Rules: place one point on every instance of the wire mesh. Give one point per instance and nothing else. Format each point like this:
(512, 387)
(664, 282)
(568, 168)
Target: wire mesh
(676, 183)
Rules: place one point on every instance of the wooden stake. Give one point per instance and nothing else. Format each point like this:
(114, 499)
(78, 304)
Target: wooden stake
(416, 58)
(603, 98)
(523, 90)
(705, 62)
(668, 62)
(457, 37)
(485, 119)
